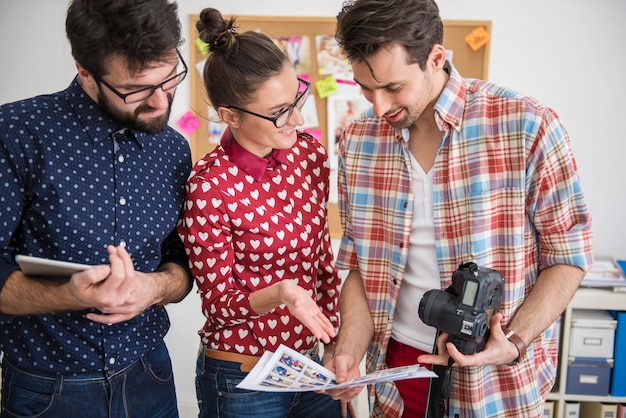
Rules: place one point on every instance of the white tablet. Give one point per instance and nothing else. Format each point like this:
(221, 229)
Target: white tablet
(43, 267)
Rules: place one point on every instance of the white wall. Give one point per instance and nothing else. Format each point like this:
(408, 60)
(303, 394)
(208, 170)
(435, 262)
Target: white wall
(567, 53)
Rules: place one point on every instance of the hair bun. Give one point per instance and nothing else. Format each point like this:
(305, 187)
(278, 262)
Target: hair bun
(213, 29)
(225, 33)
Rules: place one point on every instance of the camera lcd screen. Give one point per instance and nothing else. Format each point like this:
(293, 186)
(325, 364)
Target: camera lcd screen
(471, 287)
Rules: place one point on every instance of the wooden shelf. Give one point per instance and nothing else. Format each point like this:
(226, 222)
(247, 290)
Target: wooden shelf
(585, 298)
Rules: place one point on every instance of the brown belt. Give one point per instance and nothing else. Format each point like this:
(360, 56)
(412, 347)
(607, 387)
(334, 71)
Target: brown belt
(247, 363)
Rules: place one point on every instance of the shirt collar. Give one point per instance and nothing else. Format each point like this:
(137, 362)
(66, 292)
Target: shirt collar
(405, 135)
(450, 106)
(94, 121)
(252, 164)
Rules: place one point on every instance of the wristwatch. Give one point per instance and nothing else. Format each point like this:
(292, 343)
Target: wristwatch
(519, 343)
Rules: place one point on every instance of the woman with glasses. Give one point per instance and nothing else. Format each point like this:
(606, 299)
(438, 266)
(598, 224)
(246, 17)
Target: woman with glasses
(255, 228)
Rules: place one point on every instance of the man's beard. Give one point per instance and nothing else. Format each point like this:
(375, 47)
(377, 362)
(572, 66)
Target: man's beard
(407, 120)
(131, 120)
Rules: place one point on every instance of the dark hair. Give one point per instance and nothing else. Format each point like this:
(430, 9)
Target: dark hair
(142, 31)
(364, 26)
(238, 63)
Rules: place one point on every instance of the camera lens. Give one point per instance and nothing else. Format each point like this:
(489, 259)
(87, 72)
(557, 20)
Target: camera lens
(431, 308)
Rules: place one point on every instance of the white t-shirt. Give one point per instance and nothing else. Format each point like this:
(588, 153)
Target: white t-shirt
(421, 273)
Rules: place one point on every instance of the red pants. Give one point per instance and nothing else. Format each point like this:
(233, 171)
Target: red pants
(414, 392)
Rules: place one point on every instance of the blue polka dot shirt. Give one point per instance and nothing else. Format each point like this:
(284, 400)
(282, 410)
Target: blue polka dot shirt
(73, 182)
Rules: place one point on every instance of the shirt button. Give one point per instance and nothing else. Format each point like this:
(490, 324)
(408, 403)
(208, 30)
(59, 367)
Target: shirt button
(406, 204)
(120, 158)
(122, 201)
(123, 244)
(112, 360)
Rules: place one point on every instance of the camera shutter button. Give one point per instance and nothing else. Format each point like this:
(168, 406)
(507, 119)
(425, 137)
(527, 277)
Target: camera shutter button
(519, 343)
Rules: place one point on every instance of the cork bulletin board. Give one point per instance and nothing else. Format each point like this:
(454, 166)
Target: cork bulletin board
(468, 41)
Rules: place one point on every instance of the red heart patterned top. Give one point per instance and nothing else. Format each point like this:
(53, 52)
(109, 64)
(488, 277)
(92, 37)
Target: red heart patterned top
(243, 234)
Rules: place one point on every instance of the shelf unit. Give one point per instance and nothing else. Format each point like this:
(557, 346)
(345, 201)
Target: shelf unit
(585, 298)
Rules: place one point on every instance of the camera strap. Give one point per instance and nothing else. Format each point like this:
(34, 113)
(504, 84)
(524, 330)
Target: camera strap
(439, 388)
(438, 392)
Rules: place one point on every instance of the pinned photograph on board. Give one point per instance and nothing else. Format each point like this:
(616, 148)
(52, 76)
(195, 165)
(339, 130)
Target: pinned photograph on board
(298, 49)
(342, 109)
(330, 58)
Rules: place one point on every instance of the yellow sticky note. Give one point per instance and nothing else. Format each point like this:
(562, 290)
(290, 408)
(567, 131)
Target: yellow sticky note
(202, 47)
(477, 38)
(326, 86)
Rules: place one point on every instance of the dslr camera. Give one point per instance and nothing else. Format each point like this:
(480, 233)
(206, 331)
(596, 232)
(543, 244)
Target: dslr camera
(465, 308)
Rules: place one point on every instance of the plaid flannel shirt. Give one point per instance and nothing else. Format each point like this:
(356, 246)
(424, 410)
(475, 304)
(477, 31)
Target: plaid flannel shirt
(506, 195)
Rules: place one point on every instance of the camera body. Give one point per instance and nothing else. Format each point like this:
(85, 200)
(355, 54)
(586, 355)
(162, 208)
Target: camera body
(465, 308)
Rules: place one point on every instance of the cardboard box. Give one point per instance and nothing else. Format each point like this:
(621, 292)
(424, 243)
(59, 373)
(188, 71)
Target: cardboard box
(597, 410)
(548, 409)
(592, 333)
(572, 410)
(618, 380)
(588, 376)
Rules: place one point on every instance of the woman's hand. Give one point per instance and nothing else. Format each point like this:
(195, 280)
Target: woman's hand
(302, 305)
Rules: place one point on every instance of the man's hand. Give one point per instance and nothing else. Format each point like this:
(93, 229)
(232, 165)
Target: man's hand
(345, 368)
(498, 350)
(117, 291)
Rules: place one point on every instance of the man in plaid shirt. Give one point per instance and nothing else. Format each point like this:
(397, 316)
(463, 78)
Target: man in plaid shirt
(444, 170)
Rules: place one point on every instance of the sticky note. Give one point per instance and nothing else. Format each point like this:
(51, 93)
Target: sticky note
(315, 133)
(305, 77)
(477, 38)
(202, 47)
(188, 123)
(326, 86)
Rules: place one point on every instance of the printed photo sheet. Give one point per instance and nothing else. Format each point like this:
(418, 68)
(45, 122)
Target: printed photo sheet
(287, 370)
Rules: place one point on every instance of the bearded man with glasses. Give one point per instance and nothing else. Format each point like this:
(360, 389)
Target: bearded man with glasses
(94, 175)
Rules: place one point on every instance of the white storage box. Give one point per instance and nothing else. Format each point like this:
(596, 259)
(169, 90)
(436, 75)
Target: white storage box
(592, 333)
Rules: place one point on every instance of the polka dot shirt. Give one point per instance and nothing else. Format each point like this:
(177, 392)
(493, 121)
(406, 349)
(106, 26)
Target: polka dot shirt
(73, 182)
(244, 232)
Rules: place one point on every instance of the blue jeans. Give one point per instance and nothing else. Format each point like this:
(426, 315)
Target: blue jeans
(144, 389)
(219, 398)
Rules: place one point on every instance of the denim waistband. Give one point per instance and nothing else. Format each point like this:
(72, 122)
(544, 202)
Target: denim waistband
(83, 377)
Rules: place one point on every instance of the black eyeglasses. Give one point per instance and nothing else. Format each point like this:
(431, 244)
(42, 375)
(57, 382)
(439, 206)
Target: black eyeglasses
(283, 117)
(143, 94)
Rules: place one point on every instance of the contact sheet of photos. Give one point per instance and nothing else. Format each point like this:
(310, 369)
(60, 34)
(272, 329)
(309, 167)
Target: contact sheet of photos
(287, 370)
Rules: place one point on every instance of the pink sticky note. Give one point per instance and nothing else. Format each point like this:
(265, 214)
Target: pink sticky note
(305, 77)
(188, 122)
(315, 133)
